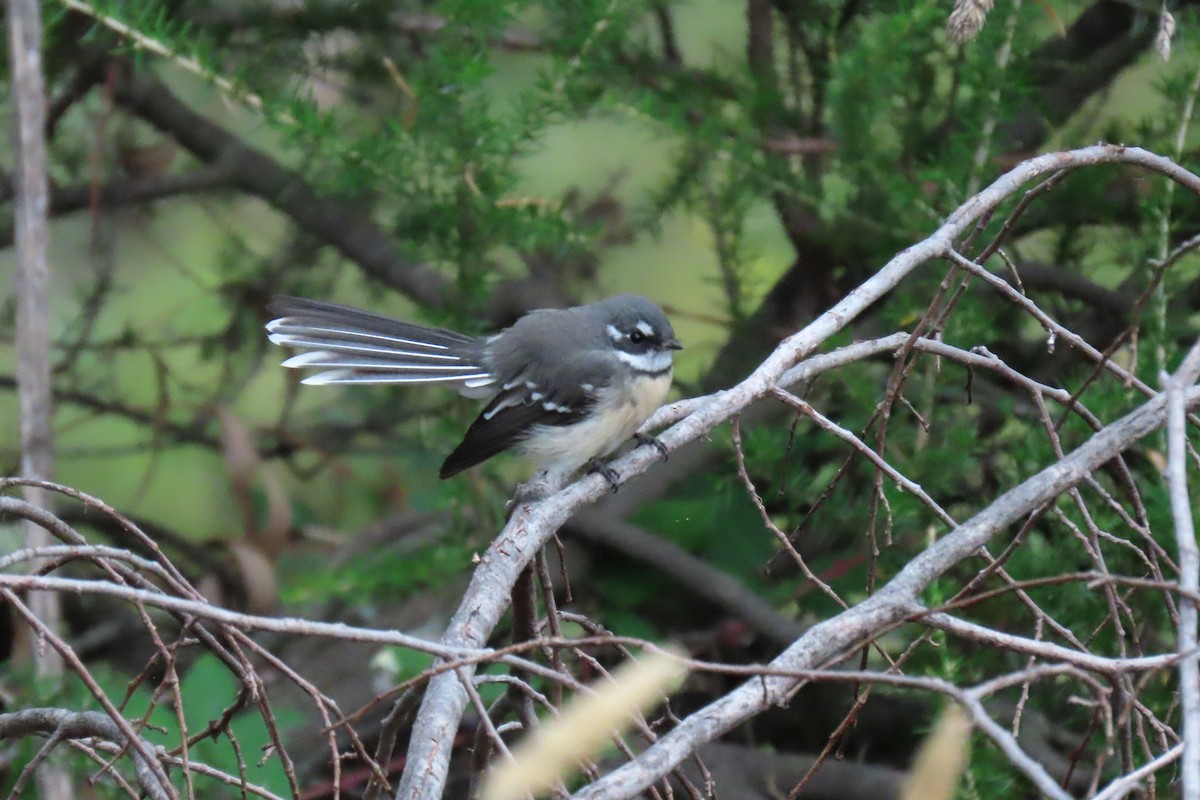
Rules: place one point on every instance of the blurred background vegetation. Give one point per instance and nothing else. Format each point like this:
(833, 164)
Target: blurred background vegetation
(458, 163)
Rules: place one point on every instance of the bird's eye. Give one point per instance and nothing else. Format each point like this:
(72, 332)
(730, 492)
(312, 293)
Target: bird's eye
(636, 337)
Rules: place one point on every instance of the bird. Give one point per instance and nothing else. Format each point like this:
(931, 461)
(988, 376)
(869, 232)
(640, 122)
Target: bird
(565, 386)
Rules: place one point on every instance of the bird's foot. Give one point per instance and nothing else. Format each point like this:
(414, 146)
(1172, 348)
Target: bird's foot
(608, 473)
(652, 441)
(543, 484)
(532, 490)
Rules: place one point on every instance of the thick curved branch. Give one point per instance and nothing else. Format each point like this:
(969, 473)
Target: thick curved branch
(1071, 284)
(335, 221)
(58, 723)
(128, 191)
(532, 525)
(1105, 39)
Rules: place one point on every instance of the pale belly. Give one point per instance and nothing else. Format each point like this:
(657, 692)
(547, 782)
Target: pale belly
(570, 447)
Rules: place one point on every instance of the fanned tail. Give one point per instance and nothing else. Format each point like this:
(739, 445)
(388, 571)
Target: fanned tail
(352, 346)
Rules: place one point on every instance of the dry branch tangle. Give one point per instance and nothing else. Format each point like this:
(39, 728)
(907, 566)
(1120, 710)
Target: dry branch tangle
(532, 525)
(894, 603)
(58, 722)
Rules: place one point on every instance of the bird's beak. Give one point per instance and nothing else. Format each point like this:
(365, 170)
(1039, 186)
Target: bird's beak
(672, 344)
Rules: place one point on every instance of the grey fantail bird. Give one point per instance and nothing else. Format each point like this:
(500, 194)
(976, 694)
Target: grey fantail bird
(565, 386)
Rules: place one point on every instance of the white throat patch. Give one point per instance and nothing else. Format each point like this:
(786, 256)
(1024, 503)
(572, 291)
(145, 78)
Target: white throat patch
(653, 362)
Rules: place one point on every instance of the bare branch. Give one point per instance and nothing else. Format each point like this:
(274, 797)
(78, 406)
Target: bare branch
(1177, 387)
(32, 282)
(66, 725)
(32, 238)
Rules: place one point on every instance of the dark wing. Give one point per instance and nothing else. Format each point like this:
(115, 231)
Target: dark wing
(528, 400)
(353, 346)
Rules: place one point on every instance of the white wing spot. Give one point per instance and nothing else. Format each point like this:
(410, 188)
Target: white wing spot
(503, 404)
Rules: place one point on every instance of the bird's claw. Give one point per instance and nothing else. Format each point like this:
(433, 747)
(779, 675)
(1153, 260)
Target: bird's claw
(652, 441)
(608, 473)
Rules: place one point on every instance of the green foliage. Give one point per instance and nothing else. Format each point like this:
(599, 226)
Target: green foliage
(210, 689)
(385, 579)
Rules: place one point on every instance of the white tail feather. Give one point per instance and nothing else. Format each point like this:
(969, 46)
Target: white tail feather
(324, 358)
(291, 340)
(275, 325)
(336, 376)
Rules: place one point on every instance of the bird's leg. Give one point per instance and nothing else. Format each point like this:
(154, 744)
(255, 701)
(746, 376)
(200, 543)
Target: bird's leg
(608, 473)
(652, 441)
(539, 487)
(529, 492)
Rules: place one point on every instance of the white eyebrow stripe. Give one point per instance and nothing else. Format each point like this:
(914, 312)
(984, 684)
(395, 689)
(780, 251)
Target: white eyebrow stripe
(645, 327)
(278, 326)
(295, 340)
(613, 332)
